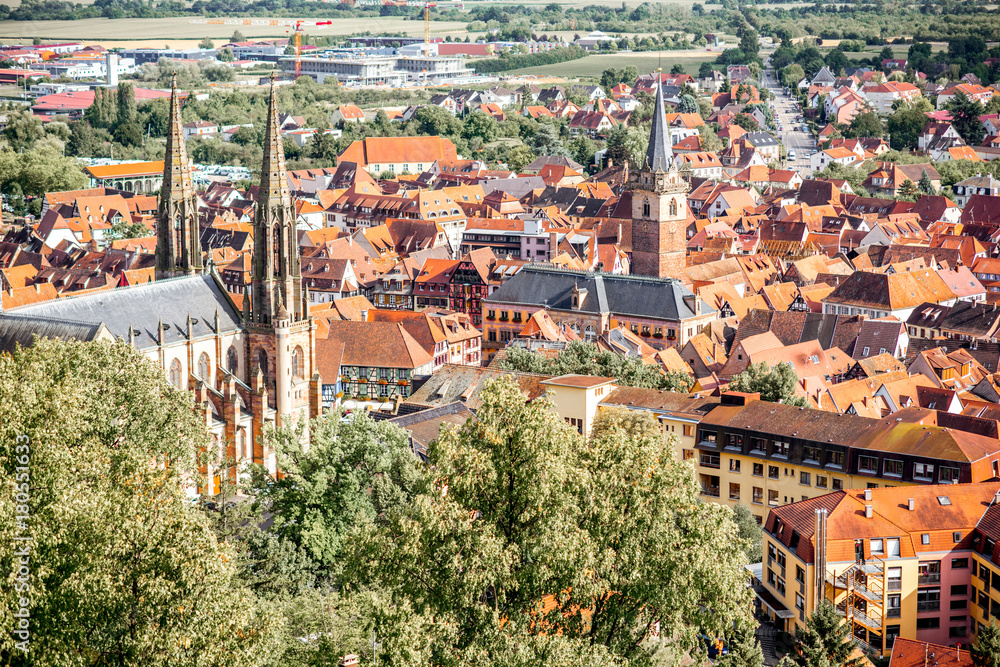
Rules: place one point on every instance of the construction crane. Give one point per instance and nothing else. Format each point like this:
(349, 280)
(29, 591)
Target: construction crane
(287, 23)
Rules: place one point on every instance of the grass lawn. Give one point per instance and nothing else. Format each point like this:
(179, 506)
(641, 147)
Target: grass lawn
(646, 61)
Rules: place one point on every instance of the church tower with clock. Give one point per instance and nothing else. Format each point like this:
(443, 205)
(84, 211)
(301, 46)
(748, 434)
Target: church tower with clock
(659, 206)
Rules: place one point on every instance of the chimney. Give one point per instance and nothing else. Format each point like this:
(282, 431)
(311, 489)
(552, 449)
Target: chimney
(819, 557)
(553, 245)
(910, 504)
(868, 511)
(868, 495)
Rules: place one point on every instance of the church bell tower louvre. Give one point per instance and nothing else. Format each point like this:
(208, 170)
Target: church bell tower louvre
(178, 242)
(659, 205)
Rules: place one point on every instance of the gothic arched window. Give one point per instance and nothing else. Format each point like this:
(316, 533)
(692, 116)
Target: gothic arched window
(232, 360)
(277, 241)
(645, 208)
(297, 362)
(673, 207)
(205, 368)
(262, 363)
(175, 373)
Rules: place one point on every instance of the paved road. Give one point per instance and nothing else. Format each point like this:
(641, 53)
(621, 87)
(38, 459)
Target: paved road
(791, 135)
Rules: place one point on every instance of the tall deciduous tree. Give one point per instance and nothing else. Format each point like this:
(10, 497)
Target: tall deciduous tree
(533, 545)
(122, 569)
(775, 384)
(348, 474)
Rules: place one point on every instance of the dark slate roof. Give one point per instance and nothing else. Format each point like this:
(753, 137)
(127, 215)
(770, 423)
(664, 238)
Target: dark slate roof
(143, 307)
(971, 319)
(760, 139)
(659, 153)
(829, 330)
(20, 331)
(515, 187)
(453, 383)
(425, 425)
(606, 293)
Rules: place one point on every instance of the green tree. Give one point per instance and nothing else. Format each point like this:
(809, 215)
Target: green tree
(127, 230)
(744, 649)
(481, 124)
(904, 126)
(865, 124)
(519, 157)
(792, 74)
(826, 639)
(687, 104)
(348, 474)
(22, 130)
(520, 509)
(925, 185)
(887, 54)
(206, 43)
(125, 102)
(627, 144)
(42, 169)
(965, 115)
(434, 121)
(709, 139)
(749, 531)
(907, 190)
(226, 55)
(747, 122)
(776, 384)
(583, 149)
(237, 37)
(587, 359)
(986, 648)
(123, 571)
(547, 141)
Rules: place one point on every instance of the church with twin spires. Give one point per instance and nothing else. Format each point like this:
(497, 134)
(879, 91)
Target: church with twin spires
(249, 365)
(659, 206)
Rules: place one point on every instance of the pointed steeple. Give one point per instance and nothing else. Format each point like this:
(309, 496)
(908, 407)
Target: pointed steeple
(273, 179)
(178, 246)
(660, 153)
(277, 276)
(176, 168)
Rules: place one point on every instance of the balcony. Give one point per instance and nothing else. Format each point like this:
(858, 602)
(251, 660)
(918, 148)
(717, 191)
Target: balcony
(893, 612)
(930, 578)
(931, 605)
(894, 585)
(710, 491)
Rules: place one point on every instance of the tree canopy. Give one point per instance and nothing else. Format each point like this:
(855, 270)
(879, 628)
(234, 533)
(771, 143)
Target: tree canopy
(775, 384)
(587, 359)
(122, 569)
(531, 547)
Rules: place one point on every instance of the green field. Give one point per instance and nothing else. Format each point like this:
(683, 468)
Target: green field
(126, 32)
(646, 61)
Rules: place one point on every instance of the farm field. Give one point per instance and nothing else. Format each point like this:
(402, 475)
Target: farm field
(157, 32)
(646, 61)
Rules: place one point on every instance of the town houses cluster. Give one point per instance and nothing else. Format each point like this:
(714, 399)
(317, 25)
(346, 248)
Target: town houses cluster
(400, 281)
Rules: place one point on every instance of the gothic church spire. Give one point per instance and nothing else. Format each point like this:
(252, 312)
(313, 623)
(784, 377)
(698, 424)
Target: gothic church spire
(277, 276)
(659, 153)
(178, 243)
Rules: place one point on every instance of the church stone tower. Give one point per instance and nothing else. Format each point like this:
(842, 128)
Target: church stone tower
(659, 206)
(178, 242)
(281, 339)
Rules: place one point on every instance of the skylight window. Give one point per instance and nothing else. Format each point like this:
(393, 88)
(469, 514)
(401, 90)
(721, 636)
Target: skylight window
(944, 500)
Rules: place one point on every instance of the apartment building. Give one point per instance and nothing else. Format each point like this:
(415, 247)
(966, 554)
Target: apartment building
(897, 562)
(765, 455)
